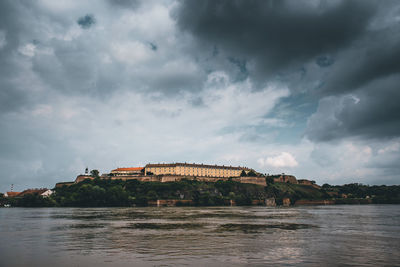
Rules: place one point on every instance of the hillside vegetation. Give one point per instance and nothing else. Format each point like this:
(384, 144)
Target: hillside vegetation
(118, 193)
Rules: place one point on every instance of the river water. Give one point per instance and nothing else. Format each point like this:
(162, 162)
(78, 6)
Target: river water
(362, 235)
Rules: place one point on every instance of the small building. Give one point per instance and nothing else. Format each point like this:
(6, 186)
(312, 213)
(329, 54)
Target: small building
(11, 194)
(192, 169)
(270, 202)
(47, 193)
(283, 178)
(286, 202)
(131, 171)
(40, 191)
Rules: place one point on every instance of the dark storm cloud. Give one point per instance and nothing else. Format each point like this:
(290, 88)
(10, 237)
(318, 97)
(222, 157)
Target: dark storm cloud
(324, 61)
(279, 35)
(241, 68)
(374, 56)
(275, 34)
(12, 94)
(371, 112)
(369, 70)
(86, 21)
(355, 45)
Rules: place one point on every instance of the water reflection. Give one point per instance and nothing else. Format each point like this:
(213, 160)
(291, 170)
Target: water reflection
(218, 236)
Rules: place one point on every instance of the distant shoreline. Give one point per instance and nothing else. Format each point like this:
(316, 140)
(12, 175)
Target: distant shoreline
(129, 193)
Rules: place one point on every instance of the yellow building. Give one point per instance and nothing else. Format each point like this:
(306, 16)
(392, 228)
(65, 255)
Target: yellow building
(188, 169)
(131, 171)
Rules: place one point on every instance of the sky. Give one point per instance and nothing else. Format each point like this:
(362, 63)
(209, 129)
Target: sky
(308, 88)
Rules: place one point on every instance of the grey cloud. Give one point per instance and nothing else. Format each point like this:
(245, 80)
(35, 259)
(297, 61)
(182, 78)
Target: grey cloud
(375, 56)
(11, 98)
(370, 112)
(13, 70)
(197, 102)
(324, 61)
(153, 46)
(171, 84)
(242, 72)
(275, 34)
(133, 4)
(362, 86)
(328, 49)
(86, 21)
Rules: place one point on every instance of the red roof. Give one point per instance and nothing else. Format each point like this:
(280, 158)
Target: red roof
(128, 169)
(32, 191)
(13, 194)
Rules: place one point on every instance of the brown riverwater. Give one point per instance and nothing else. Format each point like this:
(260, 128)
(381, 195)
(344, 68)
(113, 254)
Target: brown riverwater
(361, 235)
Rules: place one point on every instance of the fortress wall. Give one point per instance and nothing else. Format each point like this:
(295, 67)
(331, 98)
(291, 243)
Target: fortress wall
(251, 180)
(170, 178)
(286, 179)
(169, 202)
(64, 184)
(211, 179)
(139, 178)
(81, 178)
(258, 202)
(176, 178)
(314, 202)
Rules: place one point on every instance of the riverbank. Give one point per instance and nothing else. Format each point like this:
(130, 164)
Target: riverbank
(120, 193)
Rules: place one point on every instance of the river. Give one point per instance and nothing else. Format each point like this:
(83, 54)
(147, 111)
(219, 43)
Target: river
(340, 235)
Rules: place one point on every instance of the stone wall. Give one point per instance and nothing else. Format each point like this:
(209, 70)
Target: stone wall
(81, 178)
(286, 179)
(171, 178)
(169, 202)
(286, 202)
(258, 202)
(314, 202)
(251, 180)
(305, 182)
(175, 178)
(270, 202)
(64, 184)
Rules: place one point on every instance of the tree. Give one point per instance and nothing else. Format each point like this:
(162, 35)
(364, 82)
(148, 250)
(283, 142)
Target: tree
(152, 195)
(243, 174)
(326, 186)
(94, 173)
(251, 173)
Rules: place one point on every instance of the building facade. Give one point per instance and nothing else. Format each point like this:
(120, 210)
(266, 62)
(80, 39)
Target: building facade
(133, 171)
(198, 170)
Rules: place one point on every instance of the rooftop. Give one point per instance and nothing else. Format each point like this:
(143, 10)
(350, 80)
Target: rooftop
(194, 165)
(128, 169)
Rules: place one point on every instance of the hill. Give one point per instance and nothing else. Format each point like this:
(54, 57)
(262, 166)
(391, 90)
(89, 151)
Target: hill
(118, 193)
